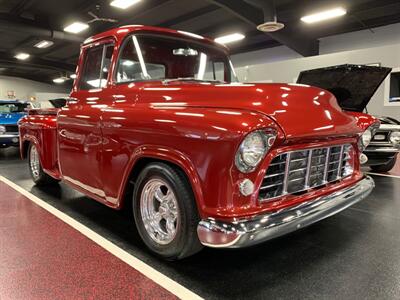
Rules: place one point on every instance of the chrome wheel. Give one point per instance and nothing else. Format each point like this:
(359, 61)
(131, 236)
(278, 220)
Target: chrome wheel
(159, 211)
(34, 162)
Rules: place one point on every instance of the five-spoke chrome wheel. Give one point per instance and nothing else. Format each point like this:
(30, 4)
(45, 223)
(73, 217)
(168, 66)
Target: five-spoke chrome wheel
(159, 211)
(34, 162)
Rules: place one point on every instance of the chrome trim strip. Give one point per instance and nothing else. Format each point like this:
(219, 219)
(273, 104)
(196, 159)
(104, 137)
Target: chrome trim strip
(9, 135)
(339, 172)
(307, 181)
(287, 169)
(328, 155)
(250, 231)
(381, 149)
(389, 127)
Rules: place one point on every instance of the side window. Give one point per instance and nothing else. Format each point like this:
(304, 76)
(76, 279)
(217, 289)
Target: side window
(96, 68)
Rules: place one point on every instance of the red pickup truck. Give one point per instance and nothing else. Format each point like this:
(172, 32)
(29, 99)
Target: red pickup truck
(157, 121)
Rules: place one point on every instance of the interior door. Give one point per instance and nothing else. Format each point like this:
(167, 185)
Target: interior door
(79, 124)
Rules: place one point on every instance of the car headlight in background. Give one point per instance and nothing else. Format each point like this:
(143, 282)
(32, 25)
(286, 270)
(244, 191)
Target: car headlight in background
(395, 138)
(366, 137)
(253, 149)
(2, 130)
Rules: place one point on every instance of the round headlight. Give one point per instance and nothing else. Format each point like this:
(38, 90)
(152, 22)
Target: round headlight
(395, 138)
(252, 150)
(2, 130)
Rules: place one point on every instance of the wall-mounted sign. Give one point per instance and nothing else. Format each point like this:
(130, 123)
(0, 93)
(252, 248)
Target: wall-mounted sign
(11, 94)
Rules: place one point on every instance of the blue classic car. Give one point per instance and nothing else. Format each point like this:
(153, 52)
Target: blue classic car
(10, 113)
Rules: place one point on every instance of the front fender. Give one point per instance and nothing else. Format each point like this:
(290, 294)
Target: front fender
(363, 120)
(167, 154)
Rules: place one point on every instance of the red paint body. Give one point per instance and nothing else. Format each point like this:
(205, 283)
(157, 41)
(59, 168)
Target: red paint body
(95, 142)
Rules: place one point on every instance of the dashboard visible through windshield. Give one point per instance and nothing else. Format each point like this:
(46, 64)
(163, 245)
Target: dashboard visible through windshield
(148, 57)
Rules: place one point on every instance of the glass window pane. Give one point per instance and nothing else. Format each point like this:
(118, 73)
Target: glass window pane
(91, 71)
(128, 68)
(106, 65)
(146, 57)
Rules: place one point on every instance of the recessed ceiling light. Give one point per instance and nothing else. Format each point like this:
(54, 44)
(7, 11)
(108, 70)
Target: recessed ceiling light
(59, 80)
(72, 76)
(44, 44)
(124, 4)
(76, 27)
(324, 15)
(22, 56)
(230, 38)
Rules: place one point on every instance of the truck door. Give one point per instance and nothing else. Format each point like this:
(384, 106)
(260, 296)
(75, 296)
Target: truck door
(79, 123)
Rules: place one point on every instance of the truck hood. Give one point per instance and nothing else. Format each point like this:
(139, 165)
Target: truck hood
(387, 120)
(353, 85)
(301, 111)
(10, 119)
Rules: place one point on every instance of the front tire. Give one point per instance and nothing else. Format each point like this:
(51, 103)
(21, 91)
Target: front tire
(39, 177)
(386, 167)
(165, 212)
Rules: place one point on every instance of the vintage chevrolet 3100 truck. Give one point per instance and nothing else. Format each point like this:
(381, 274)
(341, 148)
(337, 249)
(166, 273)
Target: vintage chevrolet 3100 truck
(157, 120)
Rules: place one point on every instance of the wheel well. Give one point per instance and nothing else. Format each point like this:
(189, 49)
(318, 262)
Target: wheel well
(137, 168)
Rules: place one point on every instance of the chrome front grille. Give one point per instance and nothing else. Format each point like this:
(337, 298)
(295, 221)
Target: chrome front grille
(298, 171)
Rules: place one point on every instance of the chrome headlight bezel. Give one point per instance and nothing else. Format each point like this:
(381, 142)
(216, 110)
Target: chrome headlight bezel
(366, 137)
(394, 138)
(244, 161)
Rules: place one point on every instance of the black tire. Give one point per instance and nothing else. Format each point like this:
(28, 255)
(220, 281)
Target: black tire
(185, 241)
(39, 177)
(386, 167)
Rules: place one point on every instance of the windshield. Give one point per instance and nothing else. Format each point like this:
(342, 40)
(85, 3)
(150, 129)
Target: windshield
(7, 108)
(147, 57)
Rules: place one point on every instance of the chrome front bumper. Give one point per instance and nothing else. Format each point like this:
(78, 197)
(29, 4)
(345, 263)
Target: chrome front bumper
(248, 232)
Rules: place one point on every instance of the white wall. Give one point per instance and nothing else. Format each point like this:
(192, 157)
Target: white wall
(259, 66)
(24, 89)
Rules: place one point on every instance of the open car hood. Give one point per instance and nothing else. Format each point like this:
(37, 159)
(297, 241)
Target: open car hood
(352, 85)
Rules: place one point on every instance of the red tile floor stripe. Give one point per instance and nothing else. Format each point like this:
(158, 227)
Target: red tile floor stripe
(41, 257)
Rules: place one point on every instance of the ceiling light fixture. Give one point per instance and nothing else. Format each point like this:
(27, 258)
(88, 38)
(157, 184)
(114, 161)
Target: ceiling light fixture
(22, 56)
(76, 27)
(230, 38)
(59, 80)
(72, 76)
(324, 15)
(44, 44)
(124, 4)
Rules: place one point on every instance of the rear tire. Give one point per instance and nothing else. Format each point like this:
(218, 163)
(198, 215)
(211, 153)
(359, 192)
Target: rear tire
(386, 167)
(39, 177)
(165, 212)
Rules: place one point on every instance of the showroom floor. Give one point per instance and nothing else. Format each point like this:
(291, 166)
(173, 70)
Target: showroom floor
(353, 255)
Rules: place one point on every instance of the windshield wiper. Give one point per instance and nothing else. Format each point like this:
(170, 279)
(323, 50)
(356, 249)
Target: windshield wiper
(166, 81)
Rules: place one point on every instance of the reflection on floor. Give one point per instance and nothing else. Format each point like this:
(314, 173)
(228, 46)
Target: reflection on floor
(352, 255)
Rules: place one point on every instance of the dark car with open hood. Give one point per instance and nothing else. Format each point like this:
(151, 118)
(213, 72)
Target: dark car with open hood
(354, 86)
